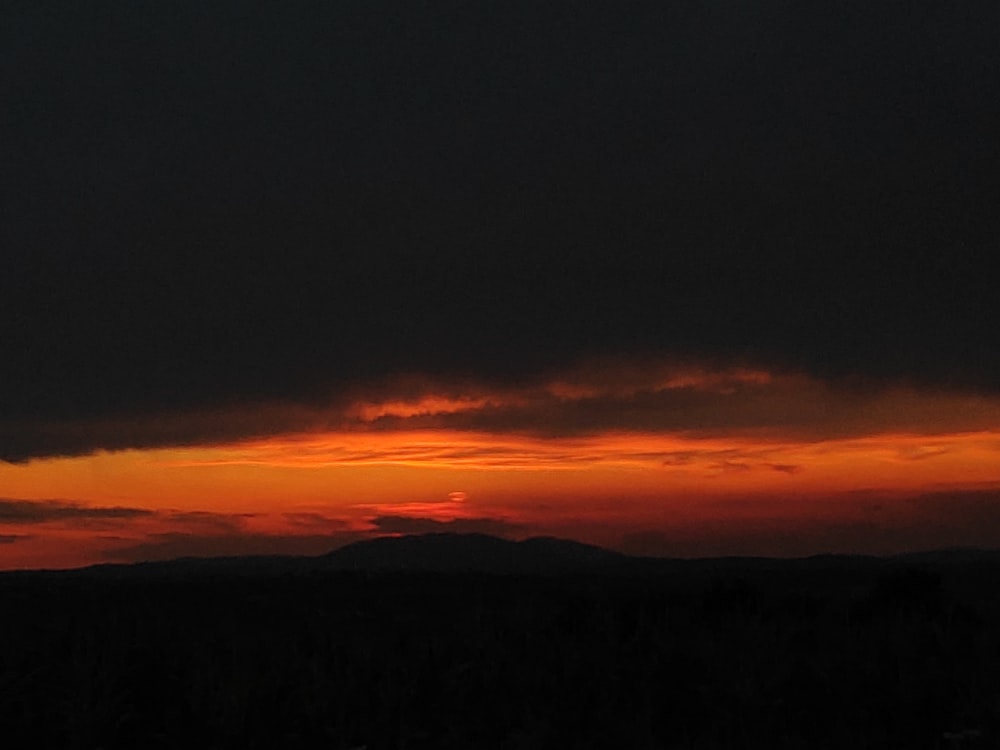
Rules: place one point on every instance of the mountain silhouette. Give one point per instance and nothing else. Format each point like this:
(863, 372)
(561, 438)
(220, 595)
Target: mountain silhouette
(481, 553)
(449, 552)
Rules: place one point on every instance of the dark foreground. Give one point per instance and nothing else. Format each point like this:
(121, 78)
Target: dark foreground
(820, 654)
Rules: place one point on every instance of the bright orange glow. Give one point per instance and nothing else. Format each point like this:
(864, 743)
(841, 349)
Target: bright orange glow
(797, 464)
(370, 411)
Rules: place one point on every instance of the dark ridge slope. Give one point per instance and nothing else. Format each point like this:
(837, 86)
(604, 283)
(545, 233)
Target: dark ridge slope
(471, 553)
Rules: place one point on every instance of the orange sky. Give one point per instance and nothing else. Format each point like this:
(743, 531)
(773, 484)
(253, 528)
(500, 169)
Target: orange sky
(648, 459)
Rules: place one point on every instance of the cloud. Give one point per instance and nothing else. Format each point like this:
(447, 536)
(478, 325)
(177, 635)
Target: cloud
(921, 453)
(418, 525)
(205, 520)
(756, 455)
(314, 521)
(193, 277)
(587, 400)
(783, 405)
(731, 467)
(27, 512)
(25, 439)
(11, 538)
(236, 321)
(117, 525)
(787, 468)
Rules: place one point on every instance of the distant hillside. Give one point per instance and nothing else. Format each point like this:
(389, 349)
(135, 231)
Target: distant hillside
(470, 552)
(482, 553)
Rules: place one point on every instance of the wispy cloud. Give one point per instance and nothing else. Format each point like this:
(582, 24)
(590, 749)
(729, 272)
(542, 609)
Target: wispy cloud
(316, 521)
(680, 455)
(205, 520)
(786, 468)
(420, 525)
(28, 512)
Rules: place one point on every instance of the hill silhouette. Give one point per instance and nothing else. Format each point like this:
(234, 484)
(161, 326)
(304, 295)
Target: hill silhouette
(317, 652)
(442, 552)
(450, 552)
(480, 553)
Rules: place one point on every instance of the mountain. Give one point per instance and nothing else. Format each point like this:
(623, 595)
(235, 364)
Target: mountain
(481, 553)
(436, 552)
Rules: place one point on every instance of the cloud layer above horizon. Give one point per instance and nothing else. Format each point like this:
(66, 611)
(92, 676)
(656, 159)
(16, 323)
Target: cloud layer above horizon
(232, 207)
(497, 237)
(598, 399)
(653, 458)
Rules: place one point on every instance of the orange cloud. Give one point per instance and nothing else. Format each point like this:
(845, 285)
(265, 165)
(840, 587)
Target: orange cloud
(589, 400)
(598, 452)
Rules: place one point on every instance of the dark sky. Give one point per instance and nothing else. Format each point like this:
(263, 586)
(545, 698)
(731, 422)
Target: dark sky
(235, 202)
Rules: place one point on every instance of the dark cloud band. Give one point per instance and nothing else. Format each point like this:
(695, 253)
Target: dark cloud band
(219, 208)
(27, 512)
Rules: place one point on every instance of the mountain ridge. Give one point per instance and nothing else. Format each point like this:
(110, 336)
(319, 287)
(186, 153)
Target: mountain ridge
(453, 552)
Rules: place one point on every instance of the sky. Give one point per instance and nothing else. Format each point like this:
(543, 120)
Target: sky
(681, 279)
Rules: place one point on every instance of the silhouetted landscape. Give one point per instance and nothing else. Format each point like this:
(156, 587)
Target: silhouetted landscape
(470, 641)
(285, 286)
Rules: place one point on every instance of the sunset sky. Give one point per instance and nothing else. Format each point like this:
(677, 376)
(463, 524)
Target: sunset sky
(682, 279)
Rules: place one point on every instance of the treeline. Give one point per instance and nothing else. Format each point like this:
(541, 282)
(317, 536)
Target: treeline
(906, 658)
